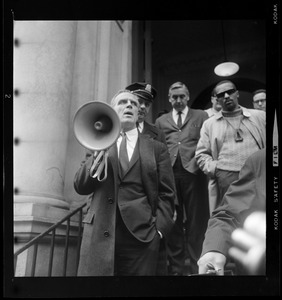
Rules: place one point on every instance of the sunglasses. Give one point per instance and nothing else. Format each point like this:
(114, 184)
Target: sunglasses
(229, 92)
(261, 100)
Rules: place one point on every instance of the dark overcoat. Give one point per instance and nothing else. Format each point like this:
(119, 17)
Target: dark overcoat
(97, 249)
(154, 132)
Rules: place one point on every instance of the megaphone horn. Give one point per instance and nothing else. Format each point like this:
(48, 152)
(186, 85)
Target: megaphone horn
(96, 125)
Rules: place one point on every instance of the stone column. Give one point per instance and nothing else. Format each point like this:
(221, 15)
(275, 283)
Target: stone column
(102, 67)
(43, 70)
(58, 66)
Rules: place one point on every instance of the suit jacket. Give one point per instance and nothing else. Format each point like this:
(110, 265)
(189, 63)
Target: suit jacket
(97, 249)
(155, 133)
(184, 140)
(245, 195)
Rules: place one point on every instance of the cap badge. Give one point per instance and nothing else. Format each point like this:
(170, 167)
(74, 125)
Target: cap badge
(148, 88)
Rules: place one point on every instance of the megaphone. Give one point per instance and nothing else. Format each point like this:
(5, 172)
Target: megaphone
(96, 125)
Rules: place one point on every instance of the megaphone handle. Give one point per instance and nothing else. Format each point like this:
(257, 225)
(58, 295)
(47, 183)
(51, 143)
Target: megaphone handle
(103, 163)
(95, 163)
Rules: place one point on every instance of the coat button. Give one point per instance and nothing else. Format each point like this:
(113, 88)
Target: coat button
(111, 201)
(106, 233)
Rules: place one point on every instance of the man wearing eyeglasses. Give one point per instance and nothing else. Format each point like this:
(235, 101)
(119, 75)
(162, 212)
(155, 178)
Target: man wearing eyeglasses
(229, 138)
(259, 99)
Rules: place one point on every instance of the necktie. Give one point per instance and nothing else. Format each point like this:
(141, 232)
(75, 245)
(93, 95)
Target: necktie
(179, 121)
(123, 156)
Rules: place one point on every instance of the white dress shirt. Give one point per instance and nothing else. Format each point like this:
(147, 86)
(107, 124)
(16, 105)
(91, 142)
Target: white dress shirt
(183, 115)
(141, 126)
(131, 140)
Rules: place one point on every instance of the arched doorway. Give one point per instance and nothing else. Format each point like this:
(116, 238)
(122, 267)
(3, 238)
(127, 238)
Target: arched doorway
(164, 52)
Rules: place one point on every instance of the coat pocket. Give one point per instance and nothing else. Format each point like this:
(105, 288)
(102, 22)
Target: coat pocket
(89, 217)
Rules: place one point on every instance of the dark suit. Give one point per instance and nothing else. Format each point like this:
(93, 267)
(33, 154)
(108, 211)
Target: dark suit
(191, 184)
(155, 133)
(134, 207)
(245, 195)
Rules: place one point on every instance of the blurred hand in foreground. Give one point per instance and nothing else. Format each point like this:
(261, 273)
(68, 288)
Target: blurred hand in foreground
(250, 244)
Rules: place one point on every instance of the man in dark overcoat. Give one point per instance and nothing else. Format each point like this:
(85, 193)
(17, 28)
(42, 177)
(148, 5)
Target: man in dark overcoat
(132, 209)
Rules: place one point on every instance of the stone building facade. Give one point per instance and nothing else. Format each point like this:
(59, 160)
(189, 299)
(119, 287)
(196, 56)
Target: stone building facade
(58, 66)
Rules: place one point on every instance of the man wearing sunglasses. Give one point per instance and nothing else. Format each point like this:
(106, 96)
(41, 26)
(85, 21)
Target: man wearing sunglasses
(229, 138)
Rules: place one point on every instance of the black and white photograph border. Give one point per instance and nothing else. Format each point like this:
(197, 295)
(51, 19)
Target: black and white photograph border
(85, 287)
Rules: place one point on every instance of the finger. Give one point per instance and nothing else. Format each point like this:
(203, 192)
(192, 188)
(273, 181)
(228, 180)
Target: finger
(237, 254)
(243, 239)
(203, 269)
(253, 260)
(217, 268)
(220, 271)
(256, 224)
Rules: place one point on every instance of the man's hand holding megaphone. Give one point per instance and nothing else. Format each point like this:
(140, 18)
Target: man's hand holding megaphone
(100, 164)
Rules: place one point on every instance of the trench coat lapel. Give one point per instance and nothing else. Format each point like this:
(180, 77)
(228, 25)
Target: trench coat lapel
(255, 132)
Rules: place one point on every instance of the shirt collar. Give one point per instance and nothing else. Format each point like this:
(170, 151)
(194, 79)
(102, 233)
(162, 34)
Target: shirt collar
(132, 134)
(245, 112)
(184, 112)
(141, 126)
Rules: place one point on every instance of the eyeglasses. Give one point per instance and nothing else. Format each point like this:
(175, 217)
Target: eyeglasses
(258, 101)
(229, 92)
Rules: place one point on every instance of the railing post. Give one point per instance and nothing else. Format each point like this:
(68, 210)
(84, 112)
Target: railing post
(15, 263)
(34, 259)
(51, 253)
(66, 248)
(35, 242)
(78, 240)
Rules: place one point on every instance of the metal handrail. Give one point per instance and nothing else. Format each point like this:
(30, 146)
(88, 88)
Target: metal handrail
(36, 240)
